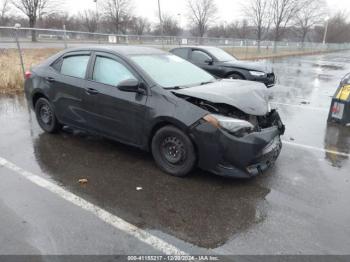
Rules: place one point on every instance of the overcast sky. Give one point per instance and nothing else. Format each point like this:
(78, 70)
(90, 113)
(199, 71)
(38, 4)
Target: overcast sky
(228, 10)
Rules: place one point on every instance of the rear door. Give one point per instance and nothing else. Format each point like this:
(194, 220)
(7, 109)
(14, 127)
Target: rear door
(110, 111)
(67, 79)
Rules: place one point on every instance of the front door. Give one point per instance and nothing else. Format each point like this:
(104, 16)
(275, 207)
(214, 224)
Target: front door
(204, 61)
(110, 111)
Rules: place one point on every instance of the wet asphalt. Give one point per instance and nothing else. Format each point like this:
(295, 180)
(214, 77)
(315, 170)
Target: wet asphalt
(300, 206)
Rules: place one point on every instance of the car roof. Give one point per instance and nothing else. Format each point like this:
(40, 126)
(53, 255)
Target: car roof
(204, 47)
(122, 50)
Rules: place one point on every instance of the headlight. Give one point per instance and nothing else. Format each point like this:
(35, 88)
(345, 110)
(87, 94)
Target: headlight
(257, 73)
(234, 126)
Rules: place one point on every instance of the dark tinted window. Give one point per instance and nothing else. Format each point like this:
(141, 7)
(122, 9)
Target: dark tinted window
(181, 52)
(199, 57)
(57, 64)
(110, 72)
(75, 65)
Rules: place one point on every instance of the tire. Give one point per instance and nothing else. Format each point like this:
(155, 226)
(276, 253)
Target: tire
(235, 76)
(173, 151)
(45, 116)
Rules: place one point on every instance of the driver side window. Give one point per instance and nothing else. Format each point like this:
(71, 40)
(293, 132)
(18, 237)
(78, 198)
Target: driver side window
(110, 72)
(199, 57)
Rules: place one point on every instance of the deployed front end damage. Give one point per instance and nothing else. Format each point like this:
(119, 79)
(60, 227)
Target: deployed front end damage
(246, 155)
(231, 142)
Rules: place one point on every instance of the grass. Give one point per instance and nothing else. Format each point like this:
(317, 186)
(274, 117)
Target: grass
(11, 76)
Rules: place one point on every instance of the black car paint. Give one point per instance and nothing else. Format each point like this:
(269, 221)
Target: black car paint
(224, 154)
(133, 118)
(223, 69)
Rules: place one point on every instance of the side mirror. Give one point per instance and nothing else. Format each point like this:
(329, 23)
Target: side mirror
(130, 85)
(209, 61)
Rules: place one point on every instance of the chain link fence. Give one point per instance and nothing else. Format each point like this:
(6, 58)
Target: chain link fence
(12, 38)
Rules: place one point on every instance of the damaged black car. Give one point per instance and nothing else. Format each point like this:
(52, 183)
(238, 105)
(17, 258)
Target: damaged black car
(158, 102)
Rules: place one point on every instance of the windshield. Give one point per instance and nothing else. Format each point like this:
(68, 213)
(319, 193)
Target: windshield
(221, 55)
(170, 71)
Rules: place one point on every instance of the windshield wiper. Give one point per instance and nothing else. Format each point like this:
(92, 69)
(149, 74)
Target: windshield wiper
(176, 87)
(205, 83)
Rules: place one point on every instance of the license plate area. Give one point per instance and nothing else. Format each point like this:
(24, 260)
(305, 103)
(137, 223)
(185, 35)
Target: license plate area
(338, 110)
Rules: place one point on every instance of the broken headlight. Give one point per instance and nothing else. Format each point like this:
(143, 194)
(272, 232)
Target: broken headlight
(234, 126)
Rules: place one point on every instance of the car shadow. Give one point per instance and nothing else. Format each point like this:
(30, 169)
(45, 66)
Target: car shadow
(203, 209)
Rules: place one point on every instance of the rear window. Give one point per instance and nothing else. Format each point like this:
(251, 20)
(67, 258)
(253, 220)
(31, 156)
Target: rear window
(181, 52)
(75, 66)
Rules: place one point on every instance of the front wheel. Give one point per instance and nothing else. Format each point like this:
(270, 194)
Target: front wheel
(173, 151)
(46, 117)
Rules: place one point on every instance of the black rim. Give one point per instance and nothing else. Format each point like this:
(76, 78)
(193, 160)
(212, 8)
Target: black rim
(173, 150)
(45, 114)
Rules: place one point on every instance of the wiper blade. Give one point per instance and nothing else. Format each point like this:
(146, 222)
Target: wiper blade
(176, 87)
(205, 83)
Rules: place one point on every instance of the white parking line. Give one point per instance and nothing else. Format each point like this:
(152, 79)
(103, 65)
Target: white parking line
(315, 148)
(301, 106)
(104, 215)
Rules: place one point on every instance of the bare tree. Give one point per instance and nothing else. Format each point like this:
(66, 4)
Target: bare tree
(170, 26)
(118, 13)
(201, 14)
(34, 10)
(220, 30)
(4, 9)
(338, 28)
(312, 13)
(259, 13)
(283, 11)
(241, 29)
(140, 25)
(89, 20)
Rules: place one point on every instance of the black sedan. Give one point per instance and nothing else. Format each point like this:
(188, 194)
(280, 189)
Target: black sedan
(159, 102)
(223, 65)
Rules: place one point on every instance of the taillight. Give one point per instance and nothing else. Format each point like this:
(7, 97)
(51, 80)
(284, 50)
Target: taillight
(27, 74)
(335, 109)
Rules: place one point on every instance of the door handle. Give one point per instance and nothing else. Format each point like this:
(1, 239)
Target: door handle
(92, 91)
(50, 79)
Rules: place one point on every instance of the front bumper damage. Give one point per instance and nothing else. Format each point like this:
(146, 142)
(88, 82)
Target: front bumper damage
(243, 157)
(269, 80)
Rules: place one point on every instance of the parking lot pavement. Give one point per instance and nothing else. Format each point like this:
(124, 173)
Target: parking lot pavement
(34, 221)
(298, 207)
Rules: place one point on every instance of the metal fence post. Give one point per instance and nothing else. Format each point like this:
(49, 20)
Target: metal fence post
(16, 28)
(65, 36)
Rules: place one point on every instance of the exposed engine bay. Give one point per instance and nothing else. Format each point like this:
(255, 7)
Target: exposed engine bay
(272, 118)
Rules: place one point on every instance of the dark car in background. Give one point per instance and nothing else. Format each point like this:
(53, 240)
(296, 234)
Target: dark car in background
(223, 65)
(157, 101)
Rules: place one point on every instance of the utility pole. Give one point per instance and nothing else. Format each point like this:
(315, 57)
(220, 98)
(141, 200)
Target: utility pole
(97, 18)
(161, 23)
(325, 32)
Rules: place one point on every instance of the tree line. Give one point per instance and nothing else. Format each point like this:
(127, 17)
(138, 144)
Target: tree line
(276, 20)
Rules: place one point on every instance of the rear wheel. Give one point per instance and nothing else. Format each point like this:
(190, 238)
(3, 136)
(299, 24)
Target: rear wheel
(173, 151)
(235, 76)
(46, 116)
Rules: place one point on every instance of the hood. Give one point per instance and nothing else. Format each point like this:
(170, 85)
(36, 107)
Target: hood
(257, 66)
(247, 96)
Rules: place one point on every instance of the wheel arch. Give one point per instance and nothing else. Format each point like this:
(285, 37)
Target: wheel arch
(235, 72)
(36, 96)
(162, 122)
